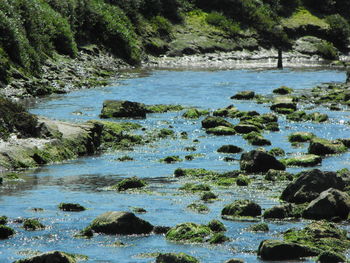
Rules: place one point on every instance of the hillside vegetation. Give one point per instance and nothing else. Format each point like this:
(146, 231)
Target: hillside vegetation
(31, 31)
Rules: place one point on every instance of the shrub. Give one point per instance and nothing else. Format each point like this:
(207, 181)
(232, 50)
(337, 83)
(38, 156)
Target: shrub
(339, 31)
(327, 50)
(161, 25)
(220, 21)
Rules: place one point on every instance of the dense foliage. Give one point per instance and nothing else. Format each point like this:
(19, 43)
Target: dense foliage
(33, 30)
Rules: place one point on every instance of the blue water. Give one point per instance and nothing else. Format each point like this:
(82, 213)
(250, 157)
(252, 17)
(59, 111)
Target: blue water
(86, 180)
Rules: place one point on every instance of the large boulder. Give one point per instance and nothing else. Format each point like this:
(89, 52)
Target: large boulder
(123, 223)
(258, 161)
(330, 203)
(49, 257)
(282, 250)
(6, 232)
(123, 109)
(310, 184)
(321, 146)
(241, 208)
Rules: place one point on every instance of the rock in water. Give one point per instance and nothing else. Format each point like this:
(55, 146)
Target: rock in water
(123, 223)
(282, 250)
(258, 161)
(310, 184)
(331, 203)
(49, 257)
(123, 109)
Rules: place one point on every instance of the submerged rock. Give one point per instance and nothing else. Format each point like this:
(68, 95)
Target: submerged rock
(229, 148)
(221, 130)
(258, 161)
(71, 207)
(282, 250)
(241, 208)
(123, 109)
(310, 184)
(123, 223)
(175, 258)
(244, 95)
(50, 257)
(330, 204)
(261, 227)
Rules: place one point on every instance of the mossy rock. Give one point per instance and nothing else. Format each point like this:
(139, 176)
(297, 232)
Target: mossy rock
(164, 133)
(6, 232)
(241, 208)
(194, 113)
(244, 128)
(71, 207)
(189, 233)
(277, 152)
(212, 122)
(317, 117)
(53, 256)
(138, 210)
(297, 116)
(171, 159)
(191, 187)
(283, 90)
(283, 250)
(3, 220)
(284, 105)
(307, 160)
(284, 211)
(261, 227)
(244, 95)
(194, 172)
(123, 223)
(190, 148)
(175, 258)
(162, 108)
(301, 136)
(123, 109)
(199, 208)
(32, 225)
(230, 112)
(216, 226)
(125, 158)
(331, 256)
(242, 180)
(321, 236)
(129, 183)
(278, 175)
(218, 238)
(229, 148)
(322, 147)
(221, 131)
(208, 196)
(259, 161)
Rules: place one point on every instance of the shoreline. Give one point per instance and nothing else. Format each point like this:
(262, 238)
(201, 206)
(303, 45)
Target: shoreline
(94, 67)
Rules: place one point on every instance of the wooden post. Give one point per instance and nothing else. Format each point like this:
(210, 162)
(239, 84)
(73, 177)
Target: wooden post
(280, 62)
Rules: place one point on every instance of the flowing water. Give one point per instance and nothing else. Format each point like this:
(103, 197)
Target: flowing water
(85, 180)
